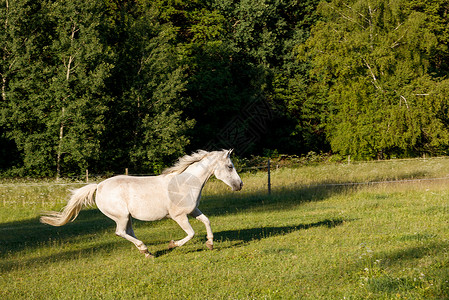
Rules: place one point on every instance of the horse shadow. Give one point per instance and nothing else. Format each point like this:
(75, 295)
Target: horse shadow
(240, 237)
(243, 236)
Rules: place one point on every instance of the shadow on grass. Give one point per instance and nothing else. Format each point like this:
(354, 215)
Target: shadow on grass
(9, 265)
(429, 278)
(243, 236)
(240, 237)
(20, 235)
(419, 268)
(429, 248)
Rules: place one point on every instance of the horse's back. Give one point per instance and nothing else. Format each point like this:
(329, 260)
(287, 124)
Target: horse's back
(145, 198)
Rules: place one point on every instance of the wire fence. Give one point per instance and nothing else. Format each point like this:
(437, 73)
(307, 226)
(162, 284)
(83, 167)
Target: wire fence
(268, 166)
(44, 192)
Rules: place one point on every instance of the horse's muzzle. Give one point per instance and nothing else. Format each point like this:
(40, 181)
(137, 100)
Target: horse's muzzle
(238, 186)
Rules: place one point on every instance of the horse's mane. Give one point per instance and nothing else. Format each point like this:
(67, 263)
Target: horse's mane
(184, 162)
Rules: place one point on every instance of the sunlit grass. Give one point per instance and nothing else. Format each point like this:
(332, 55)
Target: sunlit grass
(309, 239)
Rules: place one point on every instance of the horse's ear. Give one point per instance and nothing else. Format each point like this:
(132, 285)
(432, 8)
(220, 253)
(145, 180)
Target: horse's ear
(227, 153)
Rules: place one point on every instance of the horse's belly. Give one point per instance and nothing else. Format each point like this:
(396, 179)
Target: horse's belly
(145, 210)
(148, 214)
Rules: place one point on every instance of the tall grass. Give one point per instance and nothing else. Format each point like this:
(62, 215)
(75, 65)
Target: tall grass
(309, 239)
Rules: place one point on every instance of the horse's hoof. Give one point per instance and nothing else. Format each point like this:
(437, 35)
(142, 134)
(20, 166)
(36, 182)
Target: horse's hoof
(146, 252)
(171, 245)
(149, 255)
(210, 245)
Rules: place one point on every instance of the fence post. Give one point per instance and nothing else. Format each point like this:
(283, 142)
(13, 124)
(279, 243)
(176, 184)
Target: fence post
(269, 178)
(87, 175)
(126, 171)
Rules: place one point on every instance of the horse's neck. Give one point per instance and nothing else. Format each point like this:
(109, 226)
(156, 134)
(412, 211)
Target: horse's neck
(202, 170)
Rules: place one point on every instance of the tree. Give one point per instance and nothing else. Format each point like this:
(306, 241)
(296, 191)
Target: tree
(146, 127)
(80, 70)
(14, 41)
(94, 84)
(56, 100)
(243, 70)
(374, 60)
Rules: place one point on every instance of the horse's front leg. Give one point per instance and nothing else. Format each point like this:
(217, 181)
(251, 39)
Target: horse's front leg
(183, 222)
(201, 217)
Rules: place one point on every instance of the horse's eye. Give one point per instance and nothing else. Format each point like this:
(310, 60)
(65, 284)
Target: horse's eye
(230, 167)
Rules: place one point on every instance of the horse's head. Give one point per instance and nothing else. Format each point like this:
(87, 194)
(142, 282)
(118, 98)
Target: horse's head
(226, 172)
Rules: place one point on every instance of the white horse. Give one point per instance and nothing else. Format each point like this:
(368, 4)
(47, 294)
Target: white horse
(175, 194)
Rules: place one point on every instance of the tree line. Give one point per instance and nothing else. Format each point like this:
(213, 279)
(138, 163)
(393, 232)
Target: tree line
(108, 84)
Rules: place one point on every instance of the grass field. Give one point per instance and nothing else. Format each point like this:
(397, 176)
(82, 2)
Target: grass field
(317, 236)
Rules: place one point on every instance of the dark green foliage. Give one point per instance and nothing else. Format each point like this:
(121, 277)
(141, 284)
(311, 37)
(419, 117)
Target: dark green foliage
(112, 84)
(250, 66)
(377, 64)
(94, 85)
(145, 124)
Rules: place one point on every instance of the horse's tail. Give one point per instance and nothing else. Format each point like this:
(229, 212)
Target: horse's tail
(81, 197)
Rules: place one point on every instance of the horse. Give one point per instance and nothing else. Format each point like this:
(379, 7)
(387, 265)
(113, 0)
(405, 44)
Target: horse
(174, 194)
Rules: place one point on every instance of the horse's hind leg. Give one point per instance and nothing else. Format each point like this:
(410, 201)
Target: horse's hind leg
(125, 230)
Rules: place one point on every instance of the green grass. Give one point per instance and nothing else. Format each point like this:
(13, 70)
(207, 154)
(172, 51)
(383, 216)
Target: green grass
(309, 239)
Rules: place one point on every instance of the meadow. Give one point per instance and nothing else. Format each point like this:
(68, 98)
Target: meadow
(374, 230)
